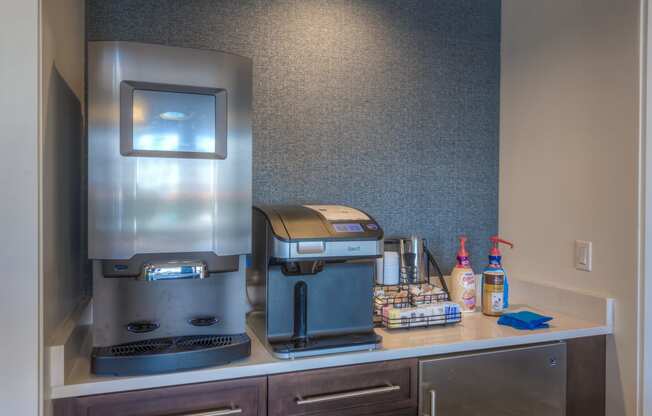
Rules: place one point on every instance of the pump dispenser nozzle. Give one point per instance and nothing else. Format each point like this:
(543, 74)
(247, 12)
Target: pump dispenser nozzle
(495, 249)
(462, 254)
(462, 251)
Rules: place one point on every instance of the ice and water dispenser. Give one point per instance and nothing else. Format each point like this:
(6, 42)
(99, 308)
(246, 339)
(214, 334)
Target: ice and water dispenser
(169, 206)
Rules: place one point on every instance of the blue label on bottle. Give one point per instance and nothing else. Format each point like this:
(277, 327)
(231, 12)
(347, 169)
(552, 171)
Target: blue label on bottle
(495, 266)
(494, 263)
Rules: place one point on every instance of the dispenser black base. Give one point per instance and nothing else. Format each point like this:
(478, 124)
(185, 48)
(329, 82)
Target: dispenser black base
(165, 355)
(313, 345)
(326, 345)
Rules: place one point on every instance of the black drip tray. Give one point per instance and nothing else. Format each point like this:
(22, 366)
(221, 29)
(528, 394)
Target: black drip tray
(326, 343)
(163, 355)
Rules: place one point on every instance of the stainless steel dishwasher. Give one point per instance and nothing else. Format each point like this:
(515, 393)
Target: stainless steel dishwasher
(513, 382)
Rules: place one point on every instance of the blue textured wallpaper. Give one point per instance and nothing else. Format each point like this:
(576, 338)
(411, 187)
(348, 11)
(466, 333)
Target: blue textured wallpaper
(388, 106)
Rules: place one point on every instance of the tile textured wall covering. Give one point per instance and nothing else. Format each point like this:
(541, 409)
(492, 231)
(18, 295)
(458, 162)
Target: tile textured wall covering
(391, 106)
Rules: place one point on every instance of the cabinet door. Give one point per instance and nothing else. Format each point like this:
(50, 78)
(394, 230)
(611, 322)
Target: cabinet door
(387, 387)
(246, 397)
(585, 393)
(515, 382)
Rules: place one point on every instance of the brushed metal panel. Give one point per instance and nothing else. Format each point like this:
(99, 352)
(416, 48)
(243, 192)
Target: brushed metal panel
(515, 382)
(166, 205)
(171, 304)
(283, 250)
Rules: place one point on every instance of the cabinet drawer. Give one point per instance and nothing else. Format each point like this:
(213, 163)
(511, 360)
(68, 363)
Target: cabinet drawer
(246, 397)
(376, 388)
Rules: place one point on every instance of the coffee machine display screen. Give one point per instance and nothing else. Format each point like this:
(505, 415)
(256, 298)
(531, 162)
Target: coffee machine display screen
(348, 228)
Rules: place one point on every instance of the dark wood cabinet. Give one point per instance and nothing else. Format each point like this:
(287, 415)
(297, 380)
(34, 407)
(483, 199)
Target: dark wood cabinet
(244, 397)
(388, 387)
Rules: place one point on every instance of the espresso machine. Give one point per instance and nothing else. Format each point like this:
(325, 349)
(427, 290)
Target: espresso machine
(312, 278)
(169, 206)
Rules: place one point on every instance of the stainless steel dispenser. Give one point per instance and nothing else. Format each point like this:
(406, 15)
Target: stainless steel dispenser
(169, 205)
(413, 260)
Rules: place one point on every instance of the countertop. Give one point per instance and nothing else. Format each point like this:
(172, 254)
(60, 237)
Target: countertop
(575, 315)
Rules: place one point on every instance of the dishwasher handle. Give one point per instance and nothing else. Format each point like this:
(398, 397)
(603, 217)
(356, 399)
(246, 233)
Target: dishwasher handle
(433, 404)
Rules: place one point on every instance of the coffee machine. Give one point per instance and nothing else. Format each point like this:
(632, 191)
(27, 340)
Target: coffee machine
(169, 206)
(312, 279)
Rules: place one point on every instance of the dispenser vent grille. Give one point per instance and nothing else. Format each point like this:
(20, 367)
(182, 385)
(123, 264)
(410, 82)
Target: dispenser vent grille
(168, 345)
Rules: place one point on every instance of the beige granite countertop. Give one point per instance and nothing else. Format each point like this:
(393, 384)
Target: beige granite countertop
(575, 315)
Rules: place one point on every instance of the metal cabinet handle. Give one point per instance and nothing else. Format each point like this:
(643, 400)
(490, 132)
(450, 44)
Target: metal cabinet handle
(346, 395)
(433, 403)
(221, 412)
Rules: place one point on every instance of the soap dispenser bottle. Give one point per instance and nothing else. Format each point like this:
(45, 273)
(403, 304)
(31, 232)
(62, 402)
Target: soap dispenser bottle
(462, 288)
(495, 287)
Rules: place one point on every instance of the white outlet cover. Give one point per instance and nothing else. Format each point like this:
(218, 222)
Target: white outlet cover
(583, 255)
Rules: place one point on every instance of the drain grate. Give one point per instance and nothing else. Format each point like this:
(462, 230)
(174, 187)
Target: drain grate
(138, 348)
(170, 345)
(163, 355)
(194, 342)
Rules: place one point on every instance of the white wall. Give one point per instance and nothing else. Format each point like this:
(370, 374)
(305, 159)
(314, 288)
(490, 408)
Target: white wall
(63, 44)
(63, 252)
(645, 309)
(19, 306)
(568, 158)
(64, 36)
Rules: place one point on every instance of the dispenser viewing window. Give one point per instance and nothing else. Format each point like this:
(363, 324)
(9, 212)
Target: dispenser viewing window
(161, 120)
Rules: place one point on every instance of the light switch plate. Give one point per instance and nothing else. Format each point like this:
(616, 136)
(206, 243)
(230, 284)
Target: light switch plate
(583, 255)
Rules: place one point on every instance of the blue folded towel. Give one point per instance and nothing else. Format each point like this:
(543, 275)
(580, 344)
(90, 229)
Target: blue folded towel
(524, 320)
